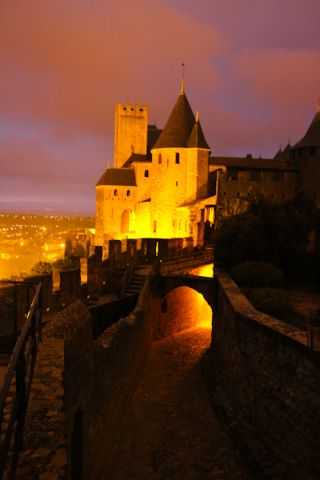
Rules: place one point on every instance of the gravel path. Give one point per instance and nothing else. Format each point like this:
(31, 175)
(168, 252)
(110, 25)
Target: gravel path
(173, 432)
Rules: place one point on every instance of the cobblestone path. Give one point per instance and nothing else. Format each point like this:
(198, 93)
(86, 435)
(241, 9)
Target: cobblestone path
(173, 432)
(44, 456)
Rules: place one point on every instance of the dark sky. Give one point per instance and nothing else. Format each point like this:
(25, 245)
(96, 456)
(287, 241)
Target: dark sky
(252, 70)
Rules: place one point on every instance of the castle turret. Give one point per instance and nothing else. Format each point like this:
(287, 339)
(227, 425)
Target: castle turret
(131, 132)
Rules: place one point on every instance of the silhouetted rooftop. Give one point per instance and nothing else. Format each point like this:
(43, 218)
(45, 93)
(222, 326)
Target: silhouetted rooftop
(250, 162)
(312, 137)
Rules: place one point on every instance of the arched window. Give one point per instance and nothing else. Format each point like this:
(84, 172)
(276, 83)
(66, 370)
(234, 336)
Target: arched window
(177, 157)
(146, 173)
(115, 192)
(128, 193)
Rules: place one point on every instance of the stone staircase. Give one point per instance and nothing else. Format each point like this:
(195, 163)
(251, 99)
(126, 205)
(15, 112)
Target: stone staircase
(136, 281)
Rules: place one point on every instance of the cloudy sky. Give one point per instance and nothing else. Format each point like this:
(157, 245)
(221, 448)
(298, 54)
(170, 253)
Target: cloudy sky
(252, 70)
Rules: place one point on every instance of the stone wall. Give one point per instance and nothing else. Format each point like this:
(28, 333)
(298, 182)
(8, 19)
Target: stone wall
(238, 189)
(266, 380)
(101, 377)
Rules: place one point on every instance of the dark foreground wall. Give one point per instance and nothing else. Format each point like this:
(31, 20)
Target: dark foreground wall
(101, 377)
(267, 382)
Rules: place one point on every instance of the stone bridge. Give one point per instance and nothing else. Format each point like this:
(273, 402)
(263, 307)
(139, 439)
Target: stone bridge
(164, 284)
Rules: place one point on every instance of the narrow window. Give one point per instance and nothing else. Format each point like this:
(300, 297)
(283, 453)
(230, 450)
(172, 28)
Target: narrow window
(146, 173)
(177, 158)
(154, 226)
(128, 193)
(160, 158)
(177, 183)
(115, 192)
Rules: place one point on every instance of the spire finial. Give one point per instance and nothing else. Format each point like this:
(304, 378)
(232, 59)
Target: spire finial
(197, 117)
(182, 79)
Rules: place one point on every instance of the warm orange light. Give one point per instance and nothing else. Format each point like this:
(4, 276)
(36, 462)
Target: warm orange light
(203, 271)
(186, 308)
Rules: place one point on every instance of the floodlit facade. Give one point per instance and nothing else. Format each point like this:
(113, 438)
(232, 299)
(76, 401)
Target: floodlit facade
(166, 184)
(158, 187)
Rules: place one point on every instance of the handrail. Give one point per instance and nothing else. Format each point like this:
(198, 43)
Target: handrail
(20, 367)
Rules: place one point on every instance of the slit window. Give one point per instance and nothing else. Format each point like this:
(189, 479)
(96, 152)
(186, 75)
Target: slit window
(177, 158)
(160, 158)
(146, 173)
(128, 193)
(115, 192)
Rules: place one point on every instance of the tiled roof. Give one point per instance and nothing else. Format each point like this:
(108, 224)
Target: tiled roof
(136, 157)
(179, 125)
(118, 176)
(197, 138)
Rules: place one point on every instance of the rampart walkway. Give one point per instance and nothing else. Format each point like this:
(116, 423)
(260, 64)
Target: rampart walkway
(173, 432)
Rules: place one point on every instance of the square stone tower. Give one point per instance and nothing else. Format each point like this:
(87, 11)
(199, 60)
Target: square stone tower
(131, 132)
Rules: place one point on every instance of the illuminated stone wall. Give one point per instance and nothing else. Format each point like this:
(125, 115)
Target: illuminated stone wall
(115, 212)
(131, 129)
(144, 178)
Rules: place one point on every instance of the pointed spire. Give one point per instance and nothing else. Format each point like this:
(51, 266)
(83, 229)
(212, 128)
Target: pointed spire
(182, 89)
(197, 138)
(197, 117)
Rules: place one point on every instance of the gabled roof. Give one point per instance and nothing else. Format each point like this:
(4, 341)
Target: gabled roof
(197, 138)
(312, 137)
(136, 157)
(119, 177)
(179, 125)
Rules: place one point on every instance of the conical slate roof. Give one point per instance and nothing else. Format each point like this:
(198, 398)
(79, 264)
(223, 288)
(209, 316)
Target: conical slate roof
(179, 125)
(197, 138)
(312, 137)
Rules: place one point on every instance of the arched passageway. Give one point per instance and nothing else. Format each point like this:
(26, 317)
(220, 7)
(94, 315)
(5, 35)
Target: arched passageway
(184, 308)
(172, 430)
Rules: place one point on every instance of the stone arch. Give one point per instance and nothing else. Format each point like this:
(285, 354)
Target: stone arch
(203, 285)
(182, 307)
(77, 449)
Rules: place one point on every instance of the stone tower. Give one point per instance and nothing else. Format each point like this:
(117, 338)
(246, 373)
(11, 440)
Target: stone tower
(131, 132)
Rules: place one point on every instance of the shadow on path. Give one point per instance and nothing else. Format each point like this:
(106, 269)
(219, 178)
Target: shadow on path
(173, 432)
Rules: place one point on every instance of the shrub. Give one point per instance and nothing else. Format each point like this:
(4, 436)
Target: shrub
(268, 232)
(257, 274)
(275, 302)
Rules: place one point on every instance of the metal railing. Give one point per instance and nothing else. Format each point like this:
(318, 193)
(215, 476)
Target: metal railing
(16, 388)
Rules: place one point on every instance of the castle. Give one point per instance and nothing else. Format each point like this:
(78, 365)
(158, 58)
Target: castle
(167, 184)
